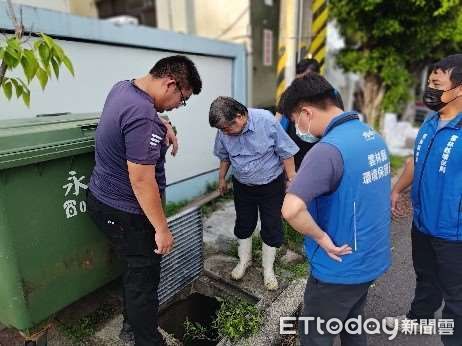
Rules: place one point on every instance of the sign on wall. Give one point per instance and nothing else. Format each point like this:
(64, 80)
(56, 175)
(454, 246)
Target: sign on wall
(267, 47)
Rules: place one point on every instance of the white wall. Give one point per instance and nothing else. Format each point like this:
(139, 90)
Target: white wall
(218, 19)
(99, 66)
(57, 5)
(343, 82)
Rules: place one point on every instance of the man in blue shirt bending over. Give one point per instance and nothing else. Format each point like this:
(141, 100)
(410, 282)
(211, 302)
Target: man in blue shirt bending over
(253, 143)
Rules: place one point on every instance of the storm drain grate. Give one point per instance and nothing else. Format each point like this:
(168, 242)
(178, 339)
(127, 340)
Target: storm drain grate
(185, 263)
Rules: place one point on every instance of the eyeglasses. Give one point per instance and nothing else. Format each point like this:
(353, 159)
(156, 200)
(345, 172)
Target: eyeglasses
(229, 126)
(183, 100)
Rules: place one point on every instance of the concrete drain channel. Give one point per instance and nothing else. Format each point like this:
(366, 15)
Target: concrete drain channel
(193, 288)
(196, 286)
(197, 308)
(200, 301)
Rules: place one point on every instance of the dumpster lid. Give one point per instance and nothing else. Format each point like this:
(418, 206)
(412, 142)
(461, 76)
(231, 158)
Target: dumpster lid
(23, 140)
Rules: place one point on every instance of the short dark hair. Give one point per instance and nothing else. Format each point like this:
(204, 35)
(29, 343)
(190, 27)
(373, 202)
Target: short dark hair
(453, 64)
(180, 68)
(312, 89)
(307, 64)
(224, 110)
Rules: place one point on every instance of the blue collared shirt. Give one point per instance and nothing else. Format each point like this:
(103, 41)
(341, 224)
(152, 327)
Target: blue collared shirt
(256, 154)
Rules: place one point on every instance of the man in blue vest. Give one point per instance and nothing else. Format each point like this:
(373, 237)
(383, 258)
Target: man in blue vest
(343, 210)
(303, 67)
(436, 178)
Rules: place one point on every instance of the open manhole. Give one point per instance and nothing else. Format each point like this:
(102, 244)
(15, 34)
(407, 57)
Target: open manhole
(198, 309)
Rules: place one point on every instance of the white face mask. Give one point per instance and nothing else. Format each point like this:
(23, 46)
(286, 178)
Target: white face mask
(305, 136)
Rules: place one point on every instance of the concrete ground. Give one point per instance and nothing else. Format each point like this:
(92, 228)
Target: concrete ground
(391, 295)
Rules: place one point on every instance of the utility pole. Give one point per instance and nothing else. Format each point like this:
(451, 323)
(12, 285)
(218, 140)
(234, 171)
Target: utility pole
(287, 46)
(318, 45)
(304, 29)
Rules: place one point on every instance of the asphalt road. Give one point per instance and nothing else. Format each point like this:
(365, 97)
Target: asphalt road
(392, 293)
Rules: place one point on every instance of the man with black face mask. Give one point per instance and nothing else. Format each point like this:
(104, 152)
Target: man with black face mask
(436, 178)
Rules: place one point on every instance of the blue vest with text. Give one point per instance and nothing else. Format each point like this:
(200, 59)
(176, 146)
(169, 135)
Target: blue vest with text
(357, 213)
(437, 183)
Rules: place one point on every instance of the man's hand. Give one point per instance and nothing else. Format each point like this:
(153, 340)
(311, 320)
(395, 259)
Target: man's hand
(333, 251)
(289, 169)
(404, 181)
(171, 139)
(144, 185)
(170, 136)
(164, 242)
(222, 186)
(289, 181)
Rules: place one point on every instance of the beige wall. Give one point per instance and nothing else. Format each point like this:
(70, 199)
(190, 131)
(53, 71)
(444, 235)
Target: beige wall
(85, 8)
(224, 20)
(217, 19)
(56, 5)
(77, 7)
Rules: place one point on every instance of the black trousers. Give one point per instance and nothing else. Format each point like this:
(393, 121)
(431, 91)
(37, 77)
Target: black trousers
(132, 238)
(438, 267)
(328, 301)
(266, 199)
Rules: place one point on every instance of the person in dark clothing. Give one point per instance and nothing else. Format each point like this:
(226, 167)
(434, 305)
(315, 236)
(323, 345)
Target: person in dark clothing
(128, 183)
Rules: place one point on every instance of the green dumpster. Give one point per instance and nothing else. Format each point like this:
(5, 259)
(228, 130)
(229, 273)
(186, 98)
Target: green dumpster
(51, 254)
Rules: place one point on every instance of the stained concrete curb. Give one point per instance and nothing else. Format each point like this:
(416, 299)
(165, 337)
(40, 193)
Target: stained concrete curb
(286, 304)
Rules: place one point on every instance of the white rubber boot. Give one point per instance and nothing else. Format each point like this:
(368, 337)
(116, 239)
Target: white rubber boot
(269, 278)
(245, 258)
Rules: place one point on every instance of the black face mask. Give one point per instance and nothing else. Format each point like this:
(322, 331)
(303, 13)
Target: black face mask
(432, 98)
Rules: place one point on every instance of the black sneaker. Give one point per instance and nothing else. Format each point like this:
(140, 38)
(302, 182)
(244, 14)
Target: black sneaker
(161, 339)
(126, 333)
(128, 337)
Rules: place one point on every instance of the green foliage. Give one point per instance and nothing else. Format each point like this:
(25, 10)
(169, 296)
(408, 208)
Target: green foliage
(38, 61)
(213, 205)
(257, 243)
(298, 270)
(395, 40)
(238, 319)
(196, 332)
(211, 187)
(82, 329)
(173, 208)
(293, 239)
(232, 251)
(396, 162)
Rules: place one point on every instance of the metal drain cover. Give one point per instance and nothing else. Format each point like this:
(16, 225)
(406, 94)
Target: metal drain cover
(185, 263)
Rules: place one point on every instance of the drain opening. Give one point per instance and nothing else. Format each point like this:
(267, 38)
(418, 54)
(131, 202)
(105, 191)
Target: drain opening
(197, 309)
